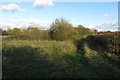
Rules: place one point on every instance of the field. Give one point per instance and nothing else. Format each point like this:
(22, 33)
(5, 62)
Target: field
(59, 39)
(61, 59)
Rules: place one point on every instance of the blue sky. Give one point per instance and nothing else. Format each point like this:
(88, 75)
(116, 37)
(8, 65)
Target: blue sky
(96, 15)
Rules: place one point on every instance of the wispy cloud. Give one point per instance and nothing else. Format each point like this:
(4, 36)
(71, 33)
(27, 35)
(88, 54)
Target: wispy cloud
(112, 26)
(24, 23)
(11, 7)
(42, 3)
(105, 15)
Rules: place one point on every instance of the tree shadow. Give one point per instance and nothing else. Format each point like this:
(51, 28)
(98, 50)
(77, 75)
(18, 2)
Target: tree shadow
(79, 45)
(25, 62)
(99, 44)
(100, 62)
(29, 62)
(95, 43)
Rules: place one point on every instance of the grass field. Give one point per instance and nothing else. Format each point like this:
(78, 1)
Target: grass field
(61, 59)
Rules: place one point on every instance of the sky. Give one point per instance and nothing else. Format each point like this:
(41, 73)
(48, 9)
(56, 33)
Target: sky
(102, 16)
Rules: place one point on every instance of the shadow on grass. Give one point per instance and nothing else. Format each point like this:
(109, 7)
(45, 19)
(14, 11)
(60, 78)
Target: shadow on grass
(29, 62)
(101, 63)
(100, 45)
(25, 62)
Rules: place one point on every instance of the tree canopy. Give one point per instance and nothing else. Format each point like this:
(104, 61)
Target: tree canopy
(60, 30)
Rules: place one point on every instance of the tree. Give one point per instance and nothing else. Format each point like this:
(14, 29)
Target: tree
(95, 31)
(82, 31)
(61, 30)
(15, 31)
(4, 32)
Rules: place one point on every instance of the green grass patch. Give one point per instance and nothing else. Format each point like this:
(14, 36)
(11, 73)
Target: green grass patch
(51, 59)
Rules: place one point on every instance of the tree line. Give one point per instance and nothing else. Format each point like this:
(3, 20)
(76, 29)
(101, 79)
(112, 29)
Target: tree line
(60, 30)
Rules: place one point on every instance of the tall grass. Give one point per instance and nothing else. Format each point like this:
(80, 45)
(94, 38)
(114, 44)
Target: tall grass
(61, 59)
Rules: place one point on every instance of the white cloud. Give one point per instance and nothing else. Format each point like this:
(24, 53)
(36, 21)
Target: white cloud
(42, 3)
(24, 23)
(11, 7)
(90, 26)
(112, 26)
(105, 15)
